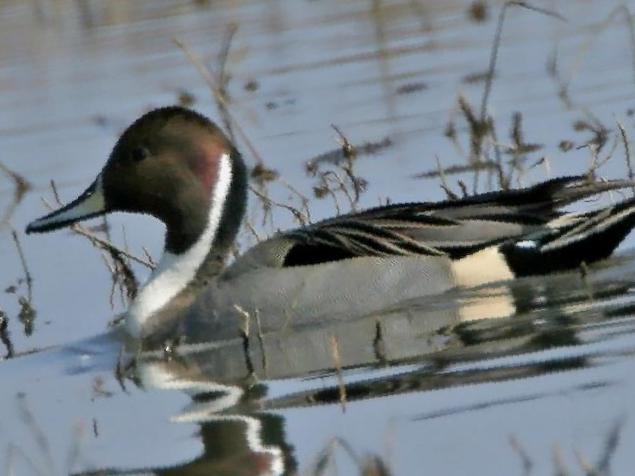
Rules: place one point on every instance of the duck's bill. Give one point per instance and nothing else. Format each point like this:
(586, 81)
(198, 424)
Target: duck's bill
(89, 204)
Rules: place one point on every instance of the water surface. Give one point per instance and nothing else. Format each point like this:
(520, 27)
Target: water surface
(438, 385)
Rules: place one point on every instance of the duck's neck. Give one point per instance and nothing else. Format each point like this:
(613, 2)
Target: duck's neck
(181, 272)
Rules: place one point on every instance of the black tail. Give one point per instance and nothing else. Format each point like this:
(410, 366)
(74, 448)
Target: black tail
(571, 240)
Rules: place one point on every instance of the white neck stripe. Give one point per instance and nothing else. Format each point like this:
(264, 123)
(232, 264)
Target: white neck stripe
(175, 271)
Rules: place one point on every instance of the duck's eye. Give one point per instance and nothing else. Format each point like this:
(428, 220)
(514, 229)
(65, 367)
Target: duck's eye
(139, 153)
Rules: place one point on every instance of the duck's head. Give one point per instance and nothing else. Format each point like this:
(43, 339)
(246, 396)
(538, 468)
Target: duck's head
(174, 164)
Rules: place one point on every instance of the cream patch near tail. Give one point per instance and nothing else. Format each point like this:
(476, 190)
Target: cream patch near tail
(486, 266)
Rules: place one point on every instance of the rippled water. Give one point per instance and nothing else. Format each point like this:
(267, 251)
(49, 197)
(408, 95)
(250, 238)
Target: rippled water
(476, 381)
(510, 379)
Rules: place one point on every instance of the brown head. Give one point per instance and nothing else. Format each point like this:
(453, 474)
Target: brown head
(166, 164)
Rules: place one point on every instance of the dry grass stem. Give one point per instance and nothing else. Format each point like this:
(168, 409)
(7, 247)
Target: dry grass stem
(585, 465)
(223, 79)
(299, 215)
(245, 320)
(265, 201)
(451, 133)
(596, 161)
(478, 129)
(26, 315)
(334, 157)
(250, 227)
(121, 369)
(503, 181)
(458, 169)
(496, 44)
(332, 177)
(358, 185)
(261, 174)
(542, 161)
(558, 462)
(96, 240)
(610, 447)
(25, 269)
(627, 152)
(149, 258)
(522, 454)
(348, 150)
(323, 189)
(337, 361)
(261, 341)
(4, 336)
(219, 97)
(244, 328)
(379, 346)
(304, 200)
(37, 434)
(120, 270)
(444, 184)
(21, 186)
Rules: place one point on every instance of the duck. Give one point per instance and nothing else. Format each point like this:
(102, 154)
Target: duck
(175, 164)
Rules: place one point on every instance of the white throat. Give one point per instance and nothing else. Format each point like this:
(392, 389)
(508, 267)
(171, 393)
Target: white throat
(175, 271)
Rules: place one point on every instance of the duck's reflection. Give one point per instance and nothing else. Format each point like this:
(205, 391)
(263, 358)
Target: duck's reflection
(417, 347)
(236, 442)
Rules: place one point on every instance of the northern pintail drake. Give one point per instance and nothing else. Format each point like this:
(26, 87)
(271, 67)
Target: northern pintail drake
(178, 166)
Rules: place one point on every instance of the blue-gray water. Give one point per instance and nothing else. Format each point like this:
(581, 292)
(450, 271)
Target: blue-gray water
(442, 386)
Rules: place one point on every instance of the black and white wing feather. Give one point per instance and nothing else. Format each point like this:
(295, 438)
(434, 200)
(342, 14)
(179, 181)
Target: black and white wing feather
(450, 228)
